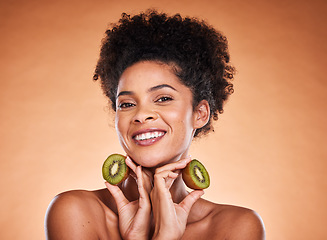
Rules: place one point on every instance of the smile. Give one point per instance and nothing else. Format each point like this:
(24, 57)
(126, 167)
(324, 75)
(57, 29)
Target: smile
(148, 135)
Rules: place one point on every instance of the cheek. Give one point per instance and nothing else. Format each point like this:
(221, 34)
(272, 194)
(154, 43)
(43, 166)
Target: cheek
(116, 122)
(181, 117)
(119, 124)
(175, 118)
(121, 130)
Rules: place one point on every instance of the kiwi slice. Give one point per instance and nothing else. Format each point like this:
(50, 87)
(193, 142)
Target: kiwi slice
(195, 175)
(114, 169)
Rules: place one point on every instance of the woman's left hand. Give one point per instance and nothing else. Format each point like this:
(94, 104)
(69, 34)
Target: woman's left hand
(135, 216)
(170, 218)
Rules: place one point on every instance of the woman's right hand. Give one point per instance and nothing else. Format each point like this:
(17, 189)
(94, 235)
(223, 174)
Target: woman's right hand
(134, 217)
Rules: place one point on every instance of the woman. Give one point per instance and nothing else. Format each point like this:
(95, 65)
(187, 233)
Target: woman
(167, 79)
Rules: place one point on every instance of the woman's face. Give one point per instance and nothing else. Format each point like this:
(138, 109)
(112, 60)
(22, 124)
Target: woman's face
(154, 114)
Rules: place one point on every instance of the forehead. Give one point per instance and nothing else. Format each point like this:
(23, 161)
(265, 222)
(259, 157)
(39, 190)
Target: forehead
(146, 74)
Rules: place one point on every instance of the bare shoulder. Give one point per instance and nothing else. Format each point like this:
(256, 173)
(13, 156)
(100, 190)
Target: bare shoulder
(208, 220)
(238, 222)
(77, 214)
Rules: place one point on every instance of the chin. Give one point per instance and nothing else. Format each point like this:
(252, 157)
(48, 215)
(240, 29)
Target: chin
(148, 161)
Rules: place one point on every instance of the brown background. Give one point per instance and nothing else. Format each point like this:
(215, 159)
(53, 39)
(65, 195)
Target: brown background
(267, 153)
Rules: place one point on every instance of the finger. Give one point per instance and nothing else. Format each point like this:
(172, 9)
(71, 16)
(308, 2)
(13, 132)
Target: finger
(165, 179)
(180, 164)
(130, 164)
(148, 179)
(163, 206)
(190, 199)
(118, 195)
(144, 199)
(146, 174)
(171, 179)
(143, 191)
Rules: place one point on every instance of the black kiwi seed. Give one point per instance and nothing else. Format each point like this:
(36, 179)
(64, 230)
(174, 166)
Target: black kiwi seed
(114, 169)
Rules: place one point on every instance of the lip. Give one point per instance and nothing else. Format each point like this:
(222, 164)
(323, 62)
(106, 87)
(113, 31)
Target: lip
(150, 141)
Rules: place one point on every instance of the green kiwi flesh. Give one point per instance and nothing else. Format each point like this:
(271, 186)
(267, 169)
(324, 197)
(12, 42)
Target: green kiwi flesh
(114, 169)
(195, 175)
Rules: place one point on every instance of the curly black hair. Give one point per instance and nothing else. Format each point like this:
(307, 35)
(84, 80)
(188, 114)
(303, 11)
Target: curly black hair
(198, 50)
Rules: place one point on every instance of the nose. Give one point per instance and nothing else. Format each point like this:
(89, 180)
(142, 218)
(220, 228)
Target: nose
(144, 114)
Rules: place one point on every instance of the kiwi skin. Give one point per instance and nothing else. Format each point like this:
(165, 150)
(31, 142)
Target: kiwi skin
(122, 167)
(193, 181)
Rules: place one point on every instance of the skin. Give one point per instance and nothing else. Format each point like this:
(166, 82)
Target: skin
(152, 203)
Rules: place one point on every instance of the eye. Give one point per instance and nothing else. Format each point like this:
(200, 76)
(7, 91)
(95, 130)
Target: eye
(126, 105)
(164, 99)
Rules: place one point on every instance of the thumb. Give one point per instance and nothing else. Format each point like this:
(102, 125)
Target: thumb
(190, 199)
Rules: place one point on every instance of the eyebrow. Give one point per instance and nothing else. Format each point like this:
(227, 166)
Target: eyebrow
(152, 89)
(161, 86)
(125, 93)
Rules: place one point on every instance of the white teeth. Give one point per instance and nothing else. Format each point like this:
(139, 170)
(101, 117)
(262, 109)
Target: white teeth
(148, 135)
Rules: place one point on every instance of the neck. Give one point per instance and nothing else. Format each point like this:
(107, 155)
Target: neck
(178, 191)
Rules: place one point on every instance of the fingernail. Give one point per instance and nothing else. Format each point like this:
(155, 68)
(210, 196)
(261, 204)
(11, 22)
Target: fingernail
(175, 175)
(187, 160)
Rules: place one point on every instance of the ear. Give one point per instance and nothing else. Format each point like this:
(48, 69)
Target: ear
(201, 114)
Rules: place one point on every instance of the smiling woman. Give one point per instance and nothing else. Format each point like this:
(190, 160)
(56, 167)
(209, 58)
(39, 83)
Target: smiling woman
(157, 103)
(167, 78)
